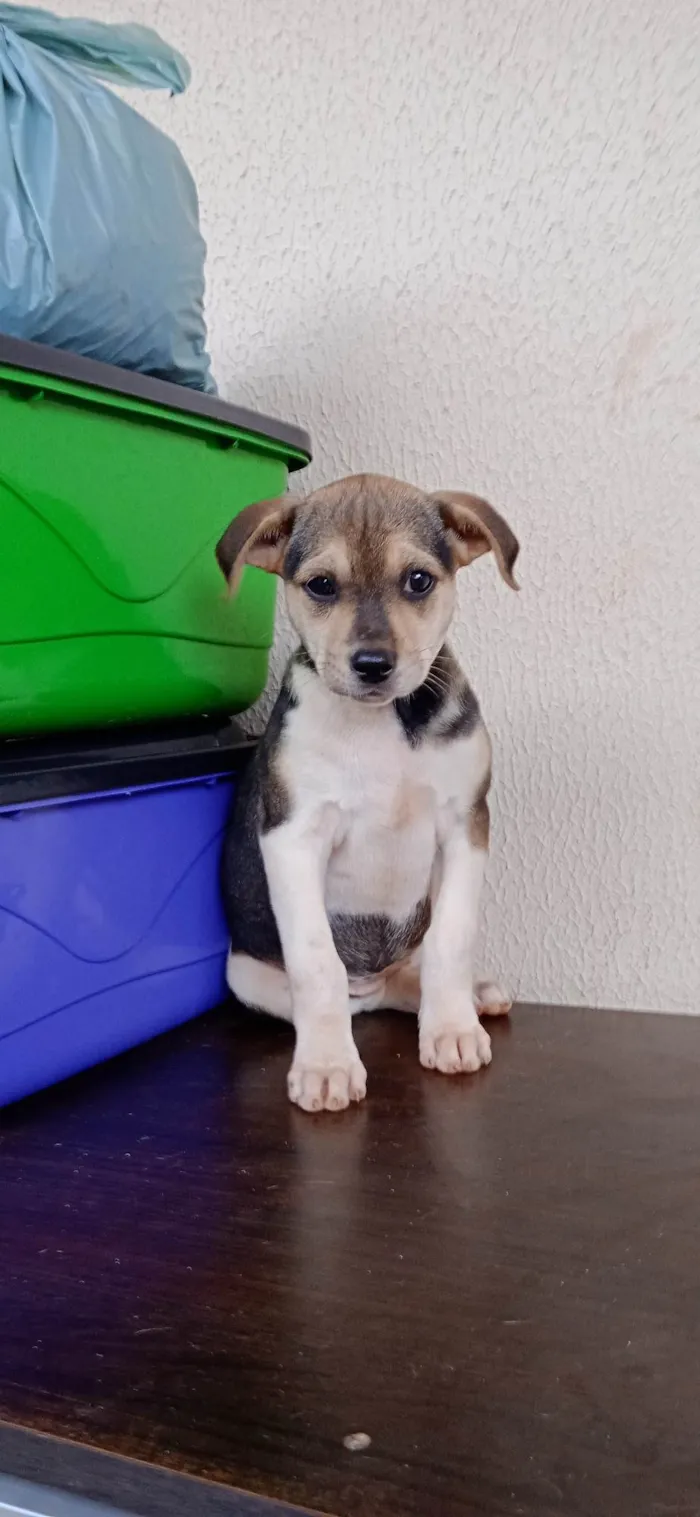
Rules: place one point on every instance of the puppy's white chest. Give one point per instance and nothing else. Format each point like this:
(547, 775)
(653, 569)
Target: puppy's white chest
(385, 843)
(387, 802)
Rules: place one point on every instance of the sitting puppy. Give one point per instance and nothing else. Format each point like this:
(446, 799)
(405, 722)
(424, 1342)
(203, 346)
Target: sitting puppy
(354, 858)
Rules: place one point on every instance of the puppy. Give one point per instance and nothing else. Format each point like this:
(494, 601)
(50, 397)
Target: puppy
(354, 858)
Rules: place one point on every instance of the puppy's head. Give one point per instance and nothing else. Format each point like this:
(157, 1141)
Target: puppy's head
(369, 567)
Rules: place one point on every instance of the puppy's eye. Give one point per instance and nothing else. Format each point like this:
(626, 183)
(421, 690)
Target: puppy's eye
(321, 587)
(418, 583)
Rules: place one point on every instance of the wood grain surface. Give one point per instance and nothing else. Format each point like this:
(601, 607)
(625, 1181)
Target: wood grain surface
(495, 1277)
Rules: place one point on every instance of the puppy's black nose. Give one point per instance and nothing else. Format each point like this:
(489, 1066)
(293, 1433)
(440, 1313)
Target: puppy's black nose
(372, 664)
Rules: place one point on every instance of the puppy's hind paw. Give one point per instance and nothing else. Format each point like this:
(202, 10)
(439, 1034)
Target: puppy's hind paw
(491, 1000)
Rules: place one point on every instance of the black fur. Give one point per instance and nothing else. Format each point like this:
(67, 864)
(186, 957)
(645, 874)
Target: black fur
(301, 544)
(250, 918)
(371, 624)
(368, 944)
(303, 660)
(418, 710)
(261, 803)
(437, 540)
(420, 713)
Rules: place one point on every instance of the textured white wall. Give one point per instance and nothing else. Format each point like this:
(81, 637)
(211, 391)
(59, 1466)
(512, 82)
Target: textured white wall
(461, 242)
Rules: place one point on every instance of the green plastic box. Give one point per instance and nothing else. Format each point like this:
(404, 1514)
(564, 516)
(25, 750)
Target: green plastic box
(114, 489)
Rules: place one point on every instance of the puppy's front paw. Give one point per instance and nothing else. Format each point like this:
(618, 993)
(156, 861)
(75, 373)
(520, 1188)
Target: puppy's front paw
(453, 1049)
(327, 1085)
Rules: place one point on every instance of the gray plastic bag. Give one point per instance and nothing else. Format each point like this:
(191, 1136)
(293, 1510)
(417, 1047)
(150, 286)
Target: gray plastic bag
(100, 247)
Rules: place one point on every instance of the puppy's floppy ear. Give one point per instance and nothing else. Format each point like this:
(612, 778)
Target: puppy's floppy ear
(474, 527)
(259, 536)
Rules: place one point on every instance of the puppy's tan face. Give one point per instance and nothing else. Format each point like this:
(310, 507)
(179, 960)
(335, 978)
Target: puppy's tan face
(369, 576)
(369, 567)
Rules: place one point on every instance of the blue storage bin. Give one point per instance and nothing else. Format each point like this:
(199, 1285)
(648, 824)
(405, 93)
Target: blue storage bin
(111, 924)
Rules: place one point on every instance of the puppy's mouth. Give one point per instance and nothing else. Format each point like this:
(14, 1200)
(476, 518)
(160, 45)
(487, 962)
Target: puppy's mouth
(399, 684)
(364, 695)
(353, 689)
(377, 695)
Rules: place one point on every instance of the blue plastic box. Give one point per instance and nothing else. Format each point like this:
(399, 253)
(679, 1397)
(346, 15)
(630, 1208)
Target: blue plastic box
(111, 924)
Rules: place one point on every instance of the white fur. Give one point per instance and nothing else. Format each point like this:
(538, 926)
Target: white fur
(375, 826)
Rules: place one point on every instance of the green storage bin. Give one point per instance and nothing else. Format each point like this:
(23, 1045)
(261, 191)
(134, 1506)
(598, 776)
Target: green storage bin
(114, 488)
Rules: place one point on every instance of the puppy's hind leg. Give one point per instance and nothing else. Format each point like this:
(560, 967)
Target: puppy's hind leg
(264, 987)
(401, 992)
(402, 986)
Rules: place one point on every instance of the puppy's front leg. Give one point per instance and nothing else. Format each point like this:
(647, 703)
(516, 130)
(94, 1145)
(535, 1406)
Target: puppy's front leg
(326, 1073)
(451, 1036)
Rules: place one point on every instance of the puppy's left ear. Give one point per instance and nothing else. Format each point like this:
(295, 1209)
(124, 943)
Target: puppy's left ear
(258, 535)
(474, 527)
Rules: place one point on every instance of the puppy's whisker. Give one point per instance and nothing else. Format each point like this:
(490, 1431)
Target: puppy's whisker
(439, 687)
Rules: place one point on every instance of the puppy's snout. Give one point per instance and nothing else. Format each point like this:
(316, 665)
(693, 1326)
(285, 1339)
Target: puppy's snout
(373, 665)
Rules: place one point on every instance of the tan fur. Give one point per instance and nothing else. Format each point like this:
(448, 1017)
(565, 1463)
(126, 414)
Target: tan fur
(479, 824)
(370, 532)
(406, 806)
(334, 556)
(327, 633)
(399, 553)
(477, 528)
(257, 536)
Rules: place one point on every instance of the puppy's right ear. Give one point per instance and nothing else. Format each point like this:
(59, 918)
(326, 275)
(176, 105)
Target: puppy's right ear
(259, 536)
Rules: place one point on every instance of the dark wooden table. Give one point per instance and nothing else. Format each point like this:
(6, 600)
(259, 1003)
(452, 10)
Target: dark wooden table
(497, 1278)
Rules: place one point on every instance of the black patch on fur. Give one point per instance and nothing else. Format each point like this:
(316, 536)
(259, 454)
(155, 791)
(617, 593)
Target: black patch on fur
(369, 944)
(371, 622)
(419, 709)
(415, 712)
(246, 898)
(436, 539)
(274, 799)
(301, 544)
(463, 720)
(261, 803)
(302, 658)
(421, 713)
